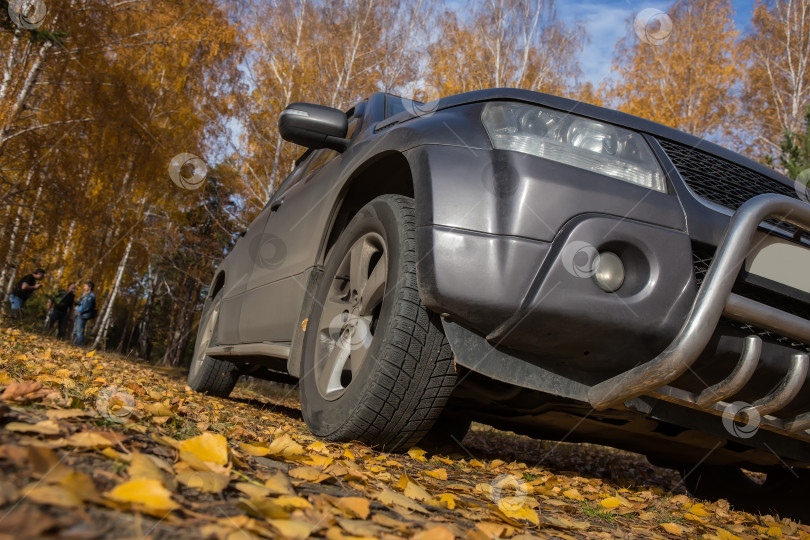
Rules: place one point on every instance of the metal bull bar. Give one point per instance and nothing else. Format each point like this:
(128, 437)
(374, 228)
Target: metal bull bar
(715, 299)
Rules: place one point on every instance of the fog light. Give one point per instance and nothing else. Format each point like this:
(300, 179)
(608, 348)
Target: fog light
(608, 271)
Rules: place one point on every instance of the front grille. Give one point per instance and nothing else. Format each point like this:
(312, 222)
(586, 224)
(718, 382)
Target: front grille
(724, 182)
(702, 256)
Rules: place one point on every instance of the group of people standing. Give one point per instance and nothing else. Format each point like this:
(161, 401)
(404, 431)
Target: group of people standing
(61, 306)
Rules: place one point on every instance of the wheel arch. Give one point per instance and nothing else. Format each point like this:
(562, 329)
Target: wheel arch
(387, 173)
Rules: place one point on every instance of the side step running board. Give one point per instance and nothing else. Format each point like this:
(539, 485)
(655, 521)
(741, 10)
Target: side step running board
(274, 350)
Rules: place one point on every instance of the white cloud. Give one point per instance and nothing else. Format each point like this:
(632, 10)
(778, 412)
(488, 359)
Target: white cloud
(605, 23)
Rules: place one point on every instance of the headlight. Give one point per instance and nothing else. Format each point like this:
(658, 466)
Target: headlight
(573, 140)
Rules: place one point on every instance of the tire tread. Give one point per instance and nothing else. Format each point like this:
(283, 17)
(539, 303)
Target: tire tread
(417, 372)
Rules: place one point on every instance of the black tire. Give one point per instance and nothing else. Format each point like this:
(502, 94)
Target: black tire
(784, 492)
(406, 370)
(209, 375)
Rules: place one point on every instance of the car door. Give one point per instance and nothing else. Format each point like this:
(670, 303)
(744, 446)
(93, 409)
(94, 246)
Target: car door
(288, 248)
(238, 271)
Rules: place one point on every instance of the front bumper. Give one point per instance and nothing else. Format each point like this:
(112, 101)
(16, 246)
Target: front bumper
(494, 261)
(713, 301)
(540, 297)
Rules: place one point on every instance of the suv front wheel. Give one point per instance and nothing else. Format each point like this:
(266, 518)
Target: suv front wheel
(376, 366)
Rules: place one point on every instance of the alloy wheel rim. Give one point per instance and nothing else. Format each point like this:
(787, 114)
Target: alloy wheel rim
(210, 324)
(350, 314)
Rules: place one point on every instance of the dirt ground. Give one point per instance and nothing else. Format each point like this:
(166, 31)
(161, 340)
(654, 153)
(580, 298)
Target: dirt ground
(94, 445)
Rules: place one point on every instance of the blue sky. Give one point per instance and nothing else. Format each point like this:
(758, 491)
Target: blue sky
(605, 21)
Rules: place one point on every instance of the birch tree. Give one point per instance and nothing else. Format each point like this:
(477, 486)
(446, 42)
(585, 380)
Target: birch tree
(777, 83)
(685, 81)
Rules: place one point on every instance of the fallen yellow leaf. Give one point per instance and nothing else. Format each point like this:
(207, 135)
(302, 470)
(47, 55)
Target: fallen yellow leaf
(441, 474)
(417, 453)
(319, 461)
(774, 532)
(256, 450)
(692, 517)
(209, 482)
(415, 491)
(610, 502)
(292, 528)
(262, 508)
(207, 446)
(515, 508)
(290, 503)
(55, 495)
(355, 506)
(390, 498)
(91, 439)
(252, 490)
(725, 535)
(439, 532)
(279, 484)
(447, 500)
(573, 494)
(45, 427)
(318, 446)
(672, 528)
(308, 474)
(145, 494)
(143, 466)
(61, 414)
(699, 510)
(285, 447)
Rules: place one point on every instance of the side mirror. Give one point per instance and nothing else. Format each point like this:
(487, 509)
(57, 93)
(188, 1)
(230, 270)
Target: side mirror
(314, 126)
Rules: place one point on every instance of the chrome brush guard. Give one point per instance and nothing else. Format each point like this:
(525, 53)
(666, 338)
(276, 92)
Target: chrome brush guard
(714, 300)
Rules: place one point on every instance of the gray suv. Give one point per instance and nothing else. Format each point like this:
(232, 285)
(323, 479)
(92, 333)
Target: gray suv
(537, 264)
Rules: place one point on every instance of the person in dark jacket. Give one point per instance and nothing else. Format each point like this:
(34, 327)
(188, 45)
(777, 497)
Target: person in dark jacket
(85, 310)
(25, 287)
(62, 305)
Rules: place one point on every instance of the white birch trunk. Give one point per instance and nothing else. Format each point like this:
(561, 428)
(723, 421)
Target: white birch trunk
(12, 243)
(65, 250)
(9, 67)
(101, 334)
(25, 92)
(16, 264)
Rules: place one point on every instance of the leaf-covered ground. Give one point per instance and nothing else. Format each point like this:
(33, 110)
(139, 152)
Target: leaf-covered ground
(99, 446)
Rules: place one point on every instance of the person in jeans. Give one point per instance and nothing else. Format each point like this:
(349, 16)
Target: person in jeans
(85, 310)
(25, 287)
(61, 308)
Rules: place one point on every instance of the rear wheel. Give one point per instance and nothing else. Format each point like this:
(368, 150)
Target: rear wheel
(209, 375)
(376, 365)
